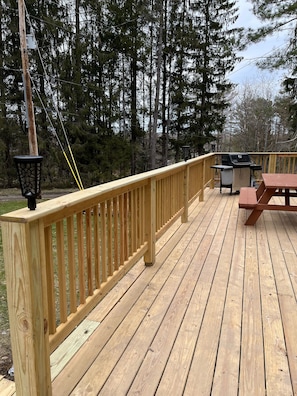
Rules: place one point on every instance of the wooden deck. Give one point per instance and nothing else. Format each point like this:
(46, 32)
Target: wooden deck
(216, 314)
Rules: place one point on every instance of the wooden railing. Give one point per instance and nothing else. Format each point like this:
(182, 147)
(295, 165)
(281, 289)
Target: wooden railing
(62, 258)
(281, 162)
(276, 162)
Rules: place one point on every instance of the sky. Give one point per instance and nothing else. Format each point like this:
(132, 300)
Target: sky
(246, 72)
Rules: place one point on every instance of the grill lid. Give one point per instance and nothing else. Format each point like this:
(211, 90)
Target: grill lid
(236, 159)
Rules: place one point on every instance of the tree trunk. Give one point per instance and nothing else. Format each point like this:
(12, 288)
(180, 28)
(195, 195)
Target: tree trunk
(157, 97)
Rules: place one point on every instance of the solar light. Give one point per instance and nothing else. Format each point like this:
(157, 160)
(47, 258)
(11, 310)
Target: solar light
(186, 152)
(29, 173)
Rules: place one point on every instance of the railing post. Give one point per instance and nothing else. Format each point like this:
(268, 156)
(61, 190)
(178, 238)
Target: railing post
(212, 162)
(150, 222)
(201, 196)
(185, 214)
(23, 248)
(272, 163)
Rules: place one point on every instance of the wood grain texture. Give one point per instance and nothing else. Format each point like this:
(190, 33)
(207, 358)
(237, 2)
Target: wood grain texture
(24, 266)
(7, 388)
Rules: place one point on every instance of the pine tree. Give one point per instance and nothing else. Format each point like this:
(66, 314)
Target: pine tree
(277, 16)
(213, 56)
(127, 37)
(178, 48)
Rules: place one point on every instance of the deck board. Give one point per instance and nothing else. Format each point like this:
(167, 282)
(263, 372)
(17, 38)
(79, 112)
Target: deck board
(252, 379)
(278, 374)
(7, 388)
(286, 295)
(215, 315)
(217, 265)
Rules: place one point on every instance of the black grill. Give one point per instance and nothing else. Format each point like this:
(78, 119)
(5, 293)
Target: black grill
(237, 160)
(236, 171)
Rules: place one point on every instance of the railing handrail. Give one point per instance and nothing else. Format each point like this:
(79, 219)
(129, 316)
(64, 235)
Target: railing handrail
(75, 198)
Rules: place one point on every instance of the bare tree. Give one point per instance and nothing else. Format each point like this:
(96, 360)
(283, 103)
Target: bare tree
(258, 120)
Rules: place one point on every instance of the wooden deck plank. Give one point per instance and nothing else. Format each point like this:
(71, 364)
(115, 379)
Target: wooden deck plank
(86, 356)
(159, 351)
(156, 356)
(7, 388)
(226, 374)
(200, 377)
(289, 246)
(286, 295)
(252, 378)
(277, 374)
(61, 356)
(183, 349)
(216, 314)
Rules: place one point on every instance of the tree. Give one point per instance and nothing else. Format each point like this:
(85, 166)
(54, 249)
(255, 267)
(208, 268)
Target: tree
(158, 86)
(258, 122)
(128, 22)
(180, 50)
(206, 44)
(279, 16)
(124, 84)
(213, 57)
(285, 125)
(255, 117)
(276, 16)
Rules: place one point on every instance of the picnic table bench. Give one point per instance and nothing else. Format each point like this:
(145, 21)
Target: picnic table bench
(248, 197)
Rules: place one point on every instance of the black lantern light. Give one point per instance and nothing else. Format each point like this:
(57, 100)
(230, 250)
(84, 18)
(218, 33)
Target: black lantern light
(186, 152)
(29, 172)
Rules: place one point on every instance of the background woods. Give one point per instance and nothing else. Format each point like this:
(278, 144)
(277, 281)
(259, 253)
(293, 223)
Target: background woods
(124, 84)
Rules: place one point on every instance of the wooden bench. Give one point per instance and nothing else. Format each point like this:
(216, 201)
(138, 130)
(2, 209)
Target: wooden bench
(247, 197)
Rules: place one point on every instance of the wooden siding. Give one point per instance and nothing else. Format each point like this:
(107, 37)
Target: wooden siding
(215, 315)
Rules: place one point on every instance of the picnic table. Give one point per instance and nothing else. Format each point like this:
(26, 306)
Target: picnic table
(273, 184)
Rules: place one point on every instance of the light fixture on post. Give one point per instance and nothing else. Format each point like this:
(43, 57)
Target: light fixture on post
(186, 152)
(29, 173)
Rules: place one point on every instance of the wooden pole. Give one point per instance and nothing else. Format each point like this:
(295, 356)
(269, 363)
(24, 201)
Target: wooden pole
(33, 146)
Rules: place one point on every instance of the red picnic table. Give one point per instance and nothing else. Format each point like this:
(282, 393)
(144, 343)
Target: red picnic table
(273, 184)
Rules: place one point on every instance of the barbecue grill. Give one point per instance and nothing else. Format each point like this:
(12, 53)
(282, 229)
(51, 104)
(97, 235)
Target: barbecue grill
(237, 171)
